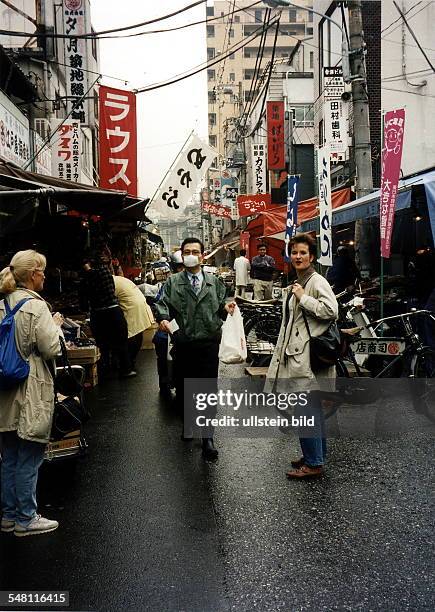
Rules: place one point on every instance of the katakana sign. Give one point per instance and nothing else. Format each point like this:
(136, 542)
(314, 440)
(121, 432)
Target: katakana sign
(259, 172)
(66, 152)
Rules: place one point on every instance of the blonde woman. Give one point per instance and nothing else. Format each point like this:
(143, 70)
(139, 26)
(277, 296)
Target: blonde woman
(27, 409)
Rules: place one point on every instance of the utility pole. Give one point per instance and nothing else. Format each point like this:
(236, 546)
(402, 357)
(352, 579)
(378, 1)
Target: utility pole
(361, 127)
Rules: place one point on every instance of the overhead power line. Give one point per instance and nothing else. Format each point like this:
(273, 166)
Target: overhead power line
(201, 67)
(96, 34)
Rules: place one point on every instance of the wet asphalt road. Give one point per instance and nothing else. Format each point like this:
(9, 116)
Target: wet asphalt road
(147, 525)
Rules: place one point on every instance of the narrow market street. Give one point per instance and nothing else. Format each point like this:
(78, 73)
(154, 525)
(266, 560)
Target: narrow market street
(146, 524)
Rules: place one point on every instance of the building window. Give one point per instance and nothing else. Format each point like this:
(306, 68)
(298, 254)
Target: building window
(211, 97)
(246, 52)
(310, 31)
(211, 75)
(232, 56)
(259, 16)
(210, 31)
(236, 18)
(311, 59)
(248, 74)
(212, 140)
(94, 46)
(231, 33)
(321, 138)
(292, 13)
(232, 77)
(212, 118)
(210, 11)
(249, 95)
(310, 14)
(96, 104)
(303, 115)
(210, 53)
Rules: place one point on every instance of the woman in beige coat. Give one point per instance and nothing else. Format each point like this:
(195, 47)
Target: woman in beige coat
(290, 368)
(26, 410)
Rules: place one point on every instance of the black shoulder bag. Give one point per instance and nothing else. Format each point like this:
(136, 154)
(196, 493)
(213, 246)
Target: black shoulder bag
(324, 349)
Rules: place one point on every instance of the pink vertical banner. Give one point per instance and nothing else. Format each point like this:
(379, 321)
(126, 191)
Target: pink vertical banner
(394, 127)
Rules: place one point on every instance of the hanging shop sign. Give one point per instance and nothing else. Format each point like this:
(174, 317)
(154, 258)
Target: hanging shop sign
(66, 153)
(335, 126)
(258, 162)
(14, 133)
(333, 82)
(217, 210)
(244, 242)
(118, 140)
(183, 178)
(292, 213)
(74, 24)
(275, 136)
(394, 126)
(325, 207)
(253, 204)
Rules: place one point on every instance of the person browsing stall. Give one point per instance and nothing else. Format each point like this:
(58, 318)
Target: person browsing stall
(242, 268)
(262, 271)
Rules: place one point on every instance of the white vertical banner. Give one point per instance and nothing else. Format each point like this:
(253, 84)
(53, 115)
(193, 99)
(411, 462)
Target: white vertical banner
(183, 178)
(75, 56)
(258, 161)
(335, 126)
(325, 207)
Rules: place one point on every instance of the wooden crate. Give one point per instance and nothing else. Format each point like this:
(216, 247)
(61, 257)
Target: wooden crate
(83, 355)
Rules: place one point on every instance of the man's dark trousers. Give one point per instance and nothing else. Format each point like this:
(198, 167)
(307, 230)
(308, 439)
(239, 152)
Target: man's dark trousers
(197, 359)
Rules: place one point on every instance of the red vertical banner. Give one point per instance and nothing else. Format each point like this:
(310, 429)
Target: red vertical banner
(275, 136)
(244, 242)
(118, 140)
(394, 127)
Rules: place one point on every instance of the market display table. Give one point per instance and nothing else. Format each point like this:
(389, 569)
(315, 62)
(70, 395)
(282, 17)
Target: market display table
(86, 356)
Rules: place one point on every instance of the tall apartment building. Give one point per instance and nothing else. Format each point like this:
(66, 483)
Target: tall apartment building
(229, 81)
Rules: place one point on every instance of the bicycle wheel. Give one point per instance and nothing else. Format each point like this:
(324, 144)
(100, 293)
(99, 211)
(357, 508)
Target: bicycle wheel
(423, 391)
(261, 335)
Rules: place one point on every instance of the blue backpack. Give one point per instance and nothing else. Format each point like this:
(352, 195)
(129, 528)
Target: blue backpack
(13, 368)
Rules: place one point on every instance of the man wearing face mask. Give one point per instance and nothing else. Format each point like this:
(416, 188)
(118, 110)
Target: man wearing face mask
(196, 301)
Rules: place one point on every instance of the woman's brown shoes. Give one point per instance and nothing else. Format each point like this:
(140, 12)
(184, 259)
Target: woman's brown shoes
(305, 471)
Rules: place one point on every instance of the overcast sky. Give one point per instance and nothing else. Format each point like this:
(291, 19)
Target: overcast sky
(165, 116)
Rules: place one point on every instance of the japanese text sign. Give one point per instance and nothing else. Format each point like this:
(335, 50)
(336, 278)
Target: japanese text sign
(335, 126)
(275, 136)
(118, 140)
(14, 133)
(183, 178)
(253, 204)
(292, 213)
(333, 83)
(394, 126)
(258, 162)
(74, 24)
(325, 207)
(66, 152)
(217, 210)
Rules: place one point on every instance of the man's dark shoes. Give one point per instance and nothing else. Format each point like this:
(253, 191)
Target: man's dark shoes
(209, 452)
(131, 374)
(298, 463)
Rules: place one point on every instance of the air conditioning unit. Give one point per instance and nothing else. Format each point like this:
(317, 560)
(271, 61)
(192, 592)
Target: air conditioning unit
(42, 126)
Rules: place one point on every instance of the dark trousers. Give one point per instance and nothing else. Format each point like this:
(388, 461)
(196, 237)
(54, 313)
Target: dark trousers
(109, 328)
(196, 360)
(160, 341)
(134, 346)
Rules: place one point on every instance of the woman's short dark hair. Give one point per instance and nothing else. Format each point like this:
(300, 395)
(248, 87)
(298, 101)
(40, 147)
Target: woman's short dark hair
(305, 239)
(191, 241)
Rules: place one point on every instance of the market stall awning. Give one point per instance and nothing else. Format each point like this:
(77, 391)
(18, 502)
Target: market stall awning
(368, 206)
(274, 220)
(85, 199)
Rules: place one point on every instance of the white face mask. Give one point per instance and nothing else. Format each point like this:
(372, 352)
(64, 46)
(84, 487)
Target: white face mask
(191, 261)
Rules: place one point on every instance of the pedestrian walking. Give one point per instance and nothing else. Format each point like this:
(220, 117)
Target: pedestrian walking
(291, 367)
(26, 409)
(196, 301)
(137, 313)
(262, 270)
(242, 268)
(344, 272)
(107, 321)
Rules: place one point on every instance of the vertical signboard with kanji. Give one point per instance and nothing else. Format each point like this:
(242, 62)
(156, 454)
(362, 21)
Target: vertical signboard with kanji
(333, 113)
(394, 126)
(258, 161)
(325, 207)
(275, 136)
(14, 133)
(74, 24)
(66, 152)
(292, 213)
(118, 140)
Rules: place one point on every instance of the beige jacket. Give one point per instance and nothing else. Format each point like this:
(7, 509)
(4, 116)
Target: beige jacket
(291, 358)
(28, 408)
(133, 303)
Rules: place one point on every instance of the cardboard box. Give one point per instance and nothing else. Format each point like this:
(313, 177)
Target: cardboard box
(83, 354)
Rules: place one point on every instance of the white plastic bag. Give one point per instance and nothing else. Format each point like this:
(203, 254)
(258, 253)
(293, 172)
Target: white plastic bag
(232, 348)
